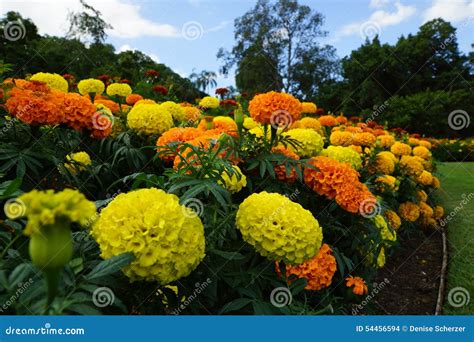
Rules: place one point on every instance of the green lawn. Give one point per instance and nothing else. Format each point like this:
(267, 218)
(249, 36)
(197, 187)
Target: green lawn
(457, 181)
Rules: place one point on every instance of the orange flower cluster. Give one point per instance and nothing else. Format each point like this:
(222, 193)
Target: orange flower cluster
(360, 287)
(133, 98)
(176, 135)
(79, 111)
(327, 120)
(280, 169)
(264, 108)
(318, 271)
(338, 181)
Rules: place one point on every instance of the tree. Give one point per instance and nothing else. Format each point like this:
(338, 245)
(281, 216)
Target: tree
(88, 23)
(275, 45)
(205, 79)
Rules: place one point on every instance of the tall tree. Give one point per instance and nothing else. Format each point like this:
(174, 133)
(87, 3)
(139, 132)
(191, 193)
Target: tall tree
(276, 43)
(88, 24)
(203, 80)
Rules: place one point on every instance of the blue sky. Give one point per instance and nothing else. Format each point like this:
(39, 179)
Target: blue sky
(164, 29)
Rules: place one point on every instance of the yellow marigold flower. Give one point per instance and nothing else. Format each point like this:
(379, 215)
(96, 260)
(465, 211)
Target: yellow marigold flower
(274, 108)
(308, 108)
(312, 123)
(413, 141)
(343, 155)
(421, 151)
(387, 182)
(400, 149)
(144, 101)
(409, 211)
(44, 208)
(235, 182)
(436, 183)
(425, 143)
(364, 139)
(425, 178)
(79, 161)
(425, 209)
(278, 228)
(175, 110)
(149, 119)
(54, 81)
(119, 89)
(385, 232)
(209, 102)
(341, 138)
(310, 142)
(411, 166)
(191, 113)
(250, 123)
(91, 86)
(384, 163)
(421, 196)
(166, 238)
(438, 212)
(393, 219)
(386, 141)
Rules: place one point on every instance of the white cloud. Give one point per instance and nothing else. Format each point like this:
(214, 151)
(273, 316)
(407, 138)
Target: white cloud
(51, 17)
(220, 26)
(450, 10)
(378, 3)
(377, 21)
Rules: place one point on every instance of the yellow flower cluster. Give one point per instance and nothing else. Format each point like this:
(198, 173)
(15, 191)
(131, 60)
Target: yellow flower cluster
(411, 166)
(91, 86)
(409, 211)
(386, 141)
(341, 138)
(209, 102)
(235, 182)
(149, 119)
(343, 155)
(166, 238)
(308, 108)
(278, 228)
(77, 161)
(48, 207)
(385, 162)
(421, 151)
(310, 142)
(54, 81)
(176, 111)
(393, 219)
(387, 183)
(400, 149)
(119, 89)
(384, 230)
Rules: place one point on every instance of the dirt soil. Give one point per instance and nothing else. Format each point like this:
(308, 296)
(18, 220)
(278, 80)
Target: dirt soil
(413, 273)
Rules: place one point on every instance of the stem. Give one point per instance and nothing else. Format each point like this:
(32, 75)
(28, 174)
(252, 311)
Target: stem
(7, 247)
(52, 277)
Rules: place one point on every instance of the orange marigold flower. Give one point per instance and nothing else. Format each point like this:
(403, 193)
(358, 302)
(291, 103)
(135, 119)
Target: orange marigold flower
(393, 219)
(280, 169)
(339, 138)
(41, 106)
(191, 113)
(78, 111)
(113, 106)
(327, 120)
(318, 271)
(360, 287)
(175, 135)
(409, 211)
(133, 98)
(342, 120)
(328, 175)
(400, 149)
(386, 141)
(356, 198)
(364, 139)
(269, 107)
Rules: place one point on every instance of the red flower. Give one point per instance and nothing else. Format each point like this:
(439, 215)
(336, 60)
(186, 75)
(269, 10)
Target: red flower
(124, 80)
(104, 78)
(228, 102)
(152, 73)
(160, 89)
(69, 77)
(222, 91)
